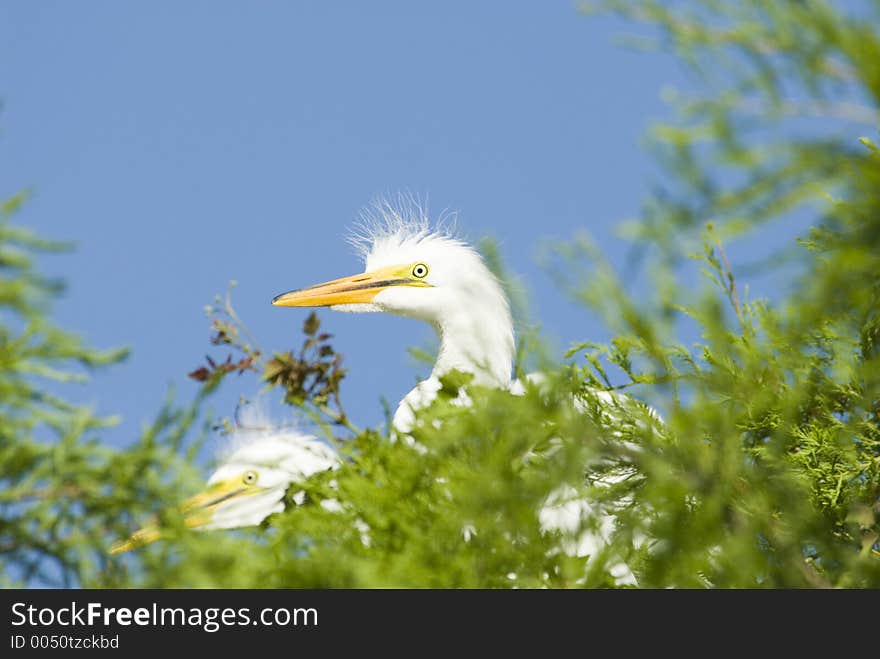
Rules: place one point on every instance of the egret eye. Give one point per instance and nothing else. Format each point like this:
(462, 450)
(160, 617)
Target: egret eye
(420, 270)
(249, 478)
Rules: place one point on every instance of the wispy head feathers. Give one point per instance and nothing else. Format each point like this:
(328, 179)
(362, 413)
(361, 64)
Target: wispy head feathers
(392, 223)
(257, 439)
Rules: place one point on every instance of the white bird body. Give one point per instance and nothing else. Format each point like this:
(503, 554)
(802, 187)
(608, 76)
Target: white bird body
(414, 272)
(250, 483)
(276, 458)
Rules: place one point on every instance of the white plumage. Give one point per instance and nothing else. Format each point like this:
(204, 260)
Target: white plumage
(418, 272)
(430, 275)
(277, 458)
(250, 482)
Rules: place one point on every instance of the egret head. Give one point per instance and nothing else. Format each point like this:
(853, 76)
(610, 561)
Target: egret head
(249, 485)
(414, 271)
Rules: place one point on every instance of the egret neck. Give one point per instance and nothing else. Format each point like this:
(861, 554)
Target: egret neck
(477, 338)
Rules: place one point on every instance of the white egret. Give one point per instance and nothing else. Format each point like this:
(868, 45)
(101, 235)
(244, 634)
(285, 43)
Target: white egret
(250, 483)
(413, 271)
(432, 276)
(429, 275)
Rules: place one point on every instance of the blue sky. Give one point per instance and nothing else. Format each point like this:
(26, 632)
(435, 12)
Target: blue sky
(183, 145)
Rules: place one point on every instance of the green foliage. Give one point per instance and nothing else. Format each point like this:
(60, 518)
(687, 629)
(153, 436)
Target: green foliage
(774, 413)
(454, 510)
(765, 471)
(63, 494)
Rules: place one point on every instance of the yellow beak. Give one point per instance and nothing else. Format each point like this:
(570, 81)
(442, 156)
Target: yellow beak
(357, 289)
(197, 512)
